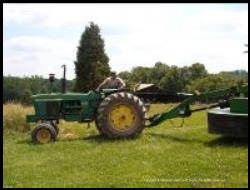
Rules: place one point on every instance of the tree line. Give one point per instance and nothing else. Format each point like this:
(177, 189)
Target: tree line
(170, 78)
(187, 78)
(20, 89)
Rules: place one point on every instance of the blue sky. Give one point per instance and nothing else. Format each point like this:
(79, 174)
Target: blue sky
(39, 38)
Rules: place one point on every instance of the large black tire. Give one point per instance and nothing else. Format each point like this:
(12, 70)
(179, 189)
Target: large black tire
(125, 125)
(99, 128)
(55, 126)
(43, 133)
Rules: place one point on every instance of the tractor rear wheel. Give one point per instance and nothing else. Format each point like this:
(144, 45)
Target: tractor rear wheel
(98, 128)
(43, 133)
(121, 115)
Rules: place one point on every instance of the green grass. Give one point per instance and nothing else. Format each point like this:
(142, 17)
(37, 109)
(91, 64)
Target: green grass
(164, 156)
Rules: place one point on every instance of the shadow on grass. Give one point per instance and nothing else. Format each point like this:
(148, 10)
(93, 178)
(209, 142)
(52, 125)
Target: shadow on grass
(175, 138)
(221, 141)
(94, 138)
(101, 138)
(29, 141)
(228, 141)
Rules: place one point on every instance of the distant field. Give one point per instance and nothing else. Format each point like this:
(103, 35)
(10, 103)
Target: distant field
(164, 156)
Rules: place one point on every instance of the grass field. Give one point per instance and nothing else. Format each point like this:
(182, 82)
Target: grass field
(164, 156)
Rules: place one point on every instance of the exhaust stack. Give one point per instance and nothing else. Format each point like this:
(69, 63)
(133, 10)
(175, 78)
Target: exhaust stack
(64, 79)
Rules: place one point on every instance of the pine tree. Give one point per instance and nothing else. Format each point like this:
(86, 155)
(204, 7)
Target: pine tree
(91, 66)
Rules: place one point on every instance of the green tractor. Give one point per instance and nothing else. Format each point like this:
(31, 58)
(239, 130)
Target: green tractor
(122, 114)
(116, 113)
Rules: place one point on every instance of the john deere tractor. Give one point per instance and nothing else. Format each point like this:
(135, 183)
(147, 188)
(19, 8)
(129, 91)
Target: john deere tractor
(116, 113)
(121, 114)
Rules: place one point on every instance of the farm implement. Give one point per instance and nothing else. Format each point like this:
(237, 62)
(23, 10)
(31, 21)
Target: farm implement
(122, 114)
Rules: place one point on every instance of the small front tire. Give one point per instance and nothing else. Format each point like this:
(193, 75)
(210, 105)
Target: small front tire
(55, 126)
(43, 133)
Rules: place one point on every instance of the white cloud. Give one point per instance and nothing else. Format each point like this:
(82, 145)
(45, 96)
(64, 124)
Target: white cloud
(134, 34)
(55, 15)
(27, 55)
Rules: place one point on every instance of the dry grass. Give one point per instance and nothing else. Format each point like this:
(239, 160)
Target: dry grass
(14, 117)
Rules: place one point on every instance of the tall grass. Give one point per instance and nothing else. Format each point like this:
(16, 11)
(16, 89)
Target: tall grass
(14, 117)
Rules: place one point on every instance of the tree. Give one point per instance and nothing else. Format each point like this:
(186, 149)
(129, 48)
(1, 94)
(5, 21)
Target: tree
(197, 70)
(126, 76)
(158, 72)
(172, 81)
(140, 74)
(213, 82)
(26, 98)
(91, 65)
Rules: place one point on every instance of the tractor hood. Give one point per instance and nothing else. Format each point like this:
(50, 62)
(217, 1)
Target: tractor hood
(73, 96)
(64, 96)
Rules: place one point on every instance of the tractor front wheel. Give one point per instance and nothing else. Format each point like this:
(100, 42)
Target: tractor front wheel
(43, 133)
(121, 115)
(55, 126)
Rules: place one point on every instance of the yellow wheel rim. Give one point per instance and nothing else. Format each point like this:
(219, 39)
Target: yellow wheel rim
(122, 116)
(43, 136)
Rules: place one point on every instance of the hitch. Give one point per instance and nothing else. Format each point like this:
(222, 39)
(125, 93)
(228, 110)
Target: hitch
(183, 110)
(154, 120)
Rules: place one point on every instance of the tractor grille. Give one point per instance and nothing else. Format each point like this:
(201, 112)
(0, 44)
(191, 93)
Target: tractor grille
(52, 108)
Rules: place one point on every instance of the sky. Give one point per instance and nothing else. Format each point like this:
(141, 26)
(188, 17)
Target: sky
(39, 38)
